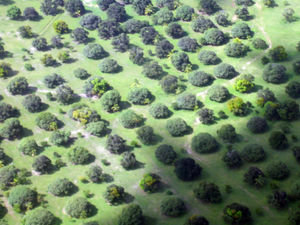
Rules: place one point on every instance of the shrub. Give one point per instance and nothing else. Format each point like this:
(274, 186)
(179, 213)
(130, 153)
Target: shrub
(236, 49)
(32, 103)
(296, 67)
(185, 13)
(48, 7)
(140, 6)
(81, 73)
(243, 85)
(277, 170)
(175, 30)
(64, 56)
(75, 7)
(108, 29)
(278, 54)
(79, 207)
(5, 70)
(181, 61)
(170, 4)
(222, 19)
(209, 6)
(96, 86)
(94, 51)
(163, 16)
(80, 35)
(131, 215)
(53, 80)
(206, 116)
(264, 96)
(241, 31)
(208, 192)
(47, 121)
(114, 194)
(254, 176)
(140, 96)
(116, 12)
(25, 31)
(218, 93)
(60, 137)
(244, 2)
(115, 144)
(48, 60)
(204, 143)
(201, 24)
(232, 159)
(28, 146)
(153, 70)
(165, 154)
(169, 84)
(97, 128)
(61, 27)
(7, 111)
(95, 173)
(257, 125)
(148, 35)
(278, 199)
(188, 44)
(214, 36)
(237, 106)
(128, 160)
(136, 55)
(133, 26)
(129, 119)
(242, 13)
(200, 78)
(145, 134)
(163, 49)
(79, 155)
(259, 43)
(293, 89)
(121, 42)
(186, 101)
(18, 86)
(104, 4)
(176, 127)
(288, 110)
(14, 13)
(159, 111)
(8, 175)
(110, 101)
(294, 217)
(208, 57)
(296, 152)
(11, 129)
(236, 213)
(227, 133)
(61, 187)
(39, 216)
(172, 207)
(187, 169)
(23, 198)
(253, 153)
(109, 66)
(90, 21)
(150, 183)
(225, 71)
(64, 94)
(40, 44)
(42, 164)
(278, 140)
(196, 220)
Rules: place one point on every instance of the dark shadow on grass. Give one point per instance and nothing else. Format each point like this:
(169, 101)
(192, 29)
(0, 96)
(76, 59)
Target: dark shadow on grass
(128, 198)
(107, 178)
(26, 132)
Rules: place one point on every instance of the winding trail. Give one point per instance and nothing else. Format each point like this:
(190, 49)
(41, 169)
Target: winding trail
(49, 24)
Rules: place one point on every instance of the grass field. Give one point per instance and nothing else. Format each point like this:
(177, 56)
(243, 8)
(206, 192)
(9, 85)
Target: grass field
(268, 19)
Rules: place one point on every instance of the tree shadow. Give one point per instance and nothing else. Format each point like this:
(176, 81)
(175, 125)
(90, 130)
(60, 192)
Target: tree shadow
(57, 221)
(128, 198)
(30, 90)
(107, 178)
(26, 132)
(71, 60)
(7, 2)
(150, 220)
(124, 105)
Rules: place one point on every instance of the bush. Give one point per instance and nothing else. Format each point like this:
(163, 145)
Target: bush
(200, 78)
(79, 207)
(214, 36)
(185, 13)
(277, 170)
(116, 12)
(293, 89)
(188, 44)
(95, 86)
(129, 119)
(60, 137)
(218, 93)
(201, 24)
(42, 164)
(150, 183)
(257, 125)
(90, 21)
(5, 70)
(110, 101)
(196, 220)
(172, 207)
(61, 187)
(204, 143)
(227, 133)
(241, 31)
(159, 111)
(175, 30)
(222, 19)
(176, 127)
(236, 49)
(187, 169)
(23, 198)
(296, 152)
(95, 173)
(264, 96)
(169, 84)
(278, 199)
(47, 121)
(48, 7)
(121, 42)
(39, 216)
(208, 192)
(181, 61)
(206, 116)
(94, 51)
(32, 103)
(165, 154)
(186, 101)
(209, 6)
(80, 35)
(109, 66)
(244, 2)
(8, 175)
(18, 86)
(236, 213)
(254, 176)
(48, 60)
(131, 215)
(163, 16)
(133, 26)
(79, 155)
(40, 44)
(243, 84)
(140, 6)
(136, 55)
(294, 217)
(28, 146)
(108, 29)
(114, 194)
(61, 27)
(170, 4)
(237, 106)
(14, 13)
(163, 49)
(53, 80)
(140, 96)
(148, 35)
(288, 110)
(115, 144)
(153, 70)
(97, 128)
(208, 57)
(104, 4)
(259, 43)
(242, 13)
(7, 111)
(296, 67)
(225, 71)
(81, 73)
(145, 134)
(64, 94)
(278, 54)
(232, 159)
(75, 7)
(278, 140)
(253, 153)
(128, 160)
(25, 31)
(11, 129)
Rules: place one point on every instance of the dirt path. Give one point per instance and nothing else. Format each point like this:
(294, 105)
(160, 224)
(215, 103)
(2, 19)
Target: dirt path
(89, 3)
(49, 24)
(10, 210)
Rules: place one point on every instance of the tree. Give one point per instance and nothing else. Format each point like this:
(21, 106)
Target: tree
(14, 13)
(75, 7)
(114, 194)
(121, 42)
(209, 6)
(128, 160)
(296, 153)
(222, 19)
(131, 215)
(104, 4)
(236, 213)
(278, 140)
(288, 110)
(176, 127)
(11, 129)
(237, 106)
(140, 96)
(278, 54)
(40, 44)
(32, 103)
(269, 3)
(136, 55)
(218, 93)
(188, 44)
(98, 128)
(133, 26)
(61, 27)
(94, 51)
(293, 89)
(64, 56)
(18, 86)
(47, 121)
(79, 207)
(288, 15)
(108, 29)
(81, 73)
(244, 84)
(186, 101)
(242, 13)
(214, 36)
(294, 217)
(278, 199)
(109, 66)
(53, 80)
(159, 111)
(25, 31)
(165, 154)
(277, 170)
(61, 187)
(49, 7)
(129, 119)
(236, 49)
(200, 78)
(187, 169)
(184, 13)
(232, 159)
(225, 71)
(79, 155)
(59, 137)
(8, 175)
(80, 35)
(150, 183)
(30, 13)
(28, 146)
(296, 67)
(241, 31)
(42, 164)
(253, 153)
(145, 134)
(152, 70)
(95, 173)
(48, 60)
(39, 216)
(7, 111)
(110, 101)
(206, 116)
(163, 49)
(208, 192)
(204, 143)
(95, 86)
(257, 125)
(208, 57)
(64, 94)
(169, 84)
(259, 43)
(148, 35)
(264, 96)
(227, 133)
(170, 4)
(163, 16)
(196, 220)
(116, 12)
(141, 6)
(90, 21)
(181, 61)
(115, 144)
(173, 207)
(244, 2)
(22, 198)
(201, 24)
